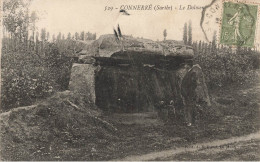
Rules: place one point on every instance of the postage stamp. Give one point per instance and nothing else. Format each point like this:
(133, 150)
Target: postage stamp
(238, 25)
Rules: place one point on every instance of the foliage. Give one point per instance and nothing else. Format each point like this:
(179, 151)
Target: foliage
(185, 39)
(223, 67)
(77, 36)
(90, 36)
(69, 36)
(164, 34)
(190, 34)
(32, 67)
(15, 15)
(59, 36)
(82, 35)
(27, 75)
(187, 34)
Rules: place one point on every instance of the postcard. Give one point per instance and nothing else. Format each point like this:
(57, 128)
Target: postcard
(130, 80)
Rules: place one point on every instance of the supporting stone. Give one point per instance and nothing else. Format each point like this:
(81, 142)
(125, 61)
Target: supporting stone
(82, 81)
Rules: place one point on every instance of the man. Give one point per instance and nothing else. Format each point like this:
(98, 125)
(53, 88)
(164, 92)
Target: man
(194, 93)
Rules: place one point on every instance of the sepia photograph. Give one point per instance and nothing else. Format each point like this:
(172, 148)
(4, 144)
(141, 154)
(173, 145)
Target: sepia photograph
(130, 80)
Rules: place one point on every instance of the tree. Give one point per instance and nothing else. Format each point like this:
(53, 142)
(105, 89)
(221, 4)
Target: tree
(53, 38)
(82, 35)
(43, 34)
(209, 47)
(31, 42)
(77, 36)
(25, 29)
(48, 36)
(199, 45)
(16, 22)
(205, 47)
(69, 36)
(43, 38)
(37, 42)
(59, 36)
(164, 34)
(185, 33)
(86, 36)
(214, 45)
(90, 36)
(33, 20)
(195, 46)
(14, 14)
(190, 34)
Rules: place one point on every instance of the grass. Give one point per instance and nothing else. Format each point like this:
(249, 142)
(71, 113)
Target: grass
(60, 130)
(238, 117)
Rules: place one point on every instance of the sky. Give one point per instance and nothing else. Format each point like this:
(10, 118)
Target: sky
(89, 15)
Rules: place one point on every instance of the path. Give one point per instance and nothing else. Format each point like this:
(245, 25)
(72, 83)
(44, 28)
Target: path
(191, 148)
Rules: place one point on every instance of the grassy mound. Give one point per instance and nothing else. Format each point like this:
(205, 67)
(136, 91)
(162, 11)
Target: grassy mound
(51, 129)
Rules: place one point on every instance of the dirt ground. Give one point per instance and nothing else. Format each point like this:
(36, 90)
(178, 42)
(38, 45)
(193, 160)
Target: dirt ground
(237, 115)
(240, 151)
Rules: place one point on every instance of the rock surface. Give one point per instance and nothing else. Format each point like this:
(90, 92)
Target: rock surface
(135, 89)
(82, 80)
(106, 45)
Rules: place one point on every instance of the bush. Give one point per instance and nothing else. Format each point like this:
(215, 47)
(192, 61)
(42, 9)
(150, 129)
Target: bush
(224, 68)
(27, 76)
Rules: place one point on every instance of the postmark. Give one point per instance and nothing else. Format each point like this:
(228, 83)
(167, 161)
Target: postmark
(211, 19)
(239, 22)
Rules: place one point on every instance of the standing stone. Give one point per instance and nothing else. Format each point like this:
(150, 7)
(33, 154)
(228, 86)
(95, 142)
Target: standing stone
(82, 81)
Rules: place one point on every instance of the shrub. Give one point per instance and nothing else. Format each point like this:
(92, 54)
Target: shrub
(27, 76)
(224, 68)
